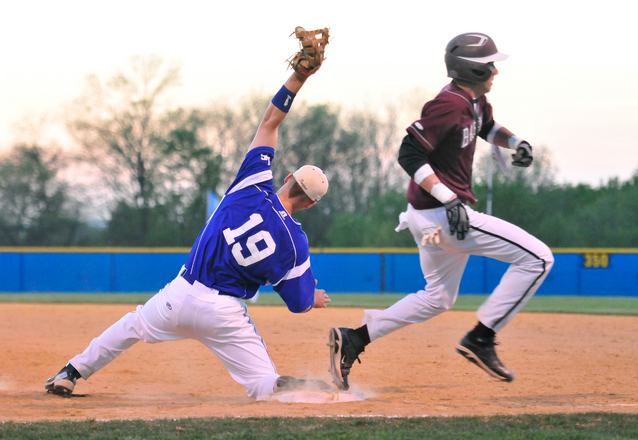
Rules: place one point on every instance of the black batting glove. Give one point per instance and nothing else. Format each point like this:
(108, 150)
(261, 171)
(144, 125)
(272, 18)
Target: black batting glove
(457, 218)
(523, 156)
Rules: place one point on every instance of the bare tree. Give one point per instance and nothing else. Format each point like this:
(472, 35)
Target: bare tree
(118, 127)
(229, 130)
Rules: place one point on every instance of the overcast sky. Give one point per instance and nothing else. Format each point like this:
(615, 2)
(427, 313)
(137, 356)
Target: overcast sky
(569, 83)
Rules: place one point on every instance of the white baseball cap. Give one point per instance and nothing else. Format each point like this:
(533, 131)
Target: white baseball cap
(312, 180)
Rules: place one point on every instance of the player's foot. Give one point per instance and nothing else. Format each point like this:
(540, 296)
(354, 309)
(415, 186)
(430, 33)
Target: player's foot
(345, 347)
(63, 382)
(289, 383)
(480, 351)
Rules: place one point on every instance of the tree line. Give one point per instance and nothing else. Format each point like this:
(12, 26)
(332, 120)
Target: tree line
(142, 171)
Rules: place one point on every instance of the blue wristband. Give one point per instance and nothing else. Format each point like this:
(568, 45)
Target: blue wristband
(283, 99)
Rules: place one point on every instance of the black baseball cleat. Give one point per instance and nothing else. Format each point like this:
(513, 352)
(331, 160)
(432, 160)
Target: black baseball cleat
(480, 351)
(63, 383)
(345, 347)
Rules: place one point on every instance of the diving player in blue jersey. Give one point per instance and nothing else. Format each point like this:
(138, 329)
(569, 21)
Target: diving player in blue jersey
(250, 240)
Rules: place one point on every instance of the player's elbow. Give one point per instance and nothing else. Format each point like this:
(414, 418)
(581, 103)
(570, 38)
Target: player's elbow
(412, 156)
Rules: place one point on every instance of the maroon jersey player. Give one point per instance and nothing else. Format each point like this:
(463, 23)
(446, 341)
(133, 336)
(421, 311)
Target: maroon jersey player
(438, 153)
(447, 131)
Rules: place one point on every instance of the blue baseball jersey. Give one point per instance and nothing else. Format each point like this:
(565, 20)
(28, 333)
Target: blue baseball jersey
(251, 240)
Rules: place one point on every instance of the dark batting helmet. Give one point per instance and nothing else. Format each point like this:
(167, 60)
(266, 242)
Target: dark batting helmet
(469, 57)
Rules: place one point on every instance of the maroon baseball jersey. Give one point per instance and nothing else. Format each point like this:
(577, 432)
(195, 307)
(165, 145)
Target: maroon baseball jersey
(447, 130)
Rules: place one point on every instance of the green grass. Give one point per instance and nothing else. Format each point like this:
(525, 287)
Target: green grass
(546, 304)
(553, 426)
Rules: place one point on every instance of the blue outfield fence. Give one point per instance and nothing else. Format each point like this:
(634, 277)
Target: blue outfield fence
(587, 272)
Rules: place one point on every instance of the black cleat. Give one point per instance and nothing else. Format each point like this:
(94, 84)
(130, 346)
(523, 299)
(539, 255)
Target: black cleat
(480, 351)
(345, 347)
(62, 383)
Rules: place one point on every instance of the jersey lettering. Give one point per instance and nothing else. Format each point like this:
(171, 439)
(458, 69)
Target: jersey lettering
(255, 255)
(469, 133)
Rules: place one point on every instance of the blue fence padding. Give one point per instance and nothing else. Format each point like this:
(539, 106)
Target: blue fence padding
(77, 272)
(474, 275)
(359, 272)
(402, 273)
(619, 279)
(564, 278)
(109, 271)
(145, 272)
(10, 276)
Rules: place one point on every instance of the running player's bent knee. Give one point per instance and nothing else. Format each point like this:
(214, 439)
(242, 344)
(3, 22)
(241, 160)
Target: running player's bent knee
(549, 262)
(539, 258)
(547, 257)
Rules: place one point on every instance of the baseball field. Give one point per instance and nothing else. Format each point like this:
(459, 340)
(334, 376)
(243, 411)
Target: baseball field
(574, 359)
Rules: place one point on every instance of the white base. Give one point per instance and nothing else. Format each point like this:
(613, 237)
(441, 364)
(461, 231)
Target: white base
(313, 397)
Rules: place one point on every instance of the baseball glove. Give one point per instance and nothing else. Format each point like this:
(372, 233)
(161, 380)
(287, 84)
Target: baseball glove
(311, 54)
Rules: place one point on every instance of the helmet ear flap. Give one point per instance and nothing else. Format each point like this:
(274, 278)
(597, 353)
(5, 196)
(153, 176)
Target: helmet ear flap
(482, 73)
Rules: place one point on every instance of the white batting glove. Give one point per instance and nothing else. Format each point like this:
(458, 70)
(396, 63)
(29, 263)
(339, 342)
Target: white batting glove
(432, 237)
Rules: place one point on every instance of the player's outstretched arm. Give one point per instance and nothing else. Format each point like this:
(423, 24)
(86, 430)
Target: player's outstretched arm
(305, 63)
(502, 137)
(276, 112)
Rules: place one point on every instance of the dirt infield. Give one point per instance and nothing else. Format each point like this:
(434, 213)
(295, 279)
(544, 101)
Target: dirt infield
(564, 363)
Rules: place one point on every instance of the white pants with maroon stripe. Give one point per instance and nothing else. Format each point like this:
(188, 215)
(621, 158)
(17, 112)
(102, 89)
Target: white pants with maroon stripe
(184, 311)
(443, 265)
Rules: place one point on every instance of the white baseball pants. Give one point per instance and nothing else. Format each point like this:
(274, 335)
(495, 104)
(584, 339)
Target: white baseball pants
(443, 265)
(184, 311)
